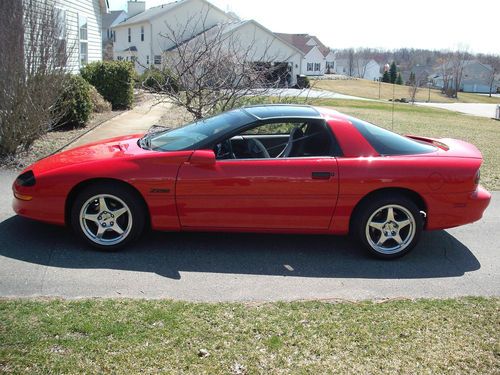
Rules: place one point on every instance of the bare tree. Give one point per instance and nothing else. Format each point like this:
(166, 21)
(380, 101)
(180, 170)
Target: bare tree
(361, 60)
(414, 85)
(458, 61)
(216, 69)
(446, 72)
(351, 56)
(494, 62)
(32, 71)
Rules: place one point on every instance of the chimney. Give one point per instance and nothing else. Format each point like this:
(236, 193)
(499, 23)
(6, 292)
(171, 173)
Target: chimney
(135, 7)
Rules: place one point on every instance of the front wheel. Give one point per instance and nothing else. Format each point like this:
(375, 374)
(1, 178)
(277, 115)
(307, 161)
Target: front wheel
(108, 216)
(389, 227)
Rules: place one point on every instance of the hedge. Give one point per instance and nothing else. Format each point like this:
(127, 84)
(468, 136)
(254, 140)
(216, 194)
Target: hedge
(114, 80)
(156, 80)
(74, 105)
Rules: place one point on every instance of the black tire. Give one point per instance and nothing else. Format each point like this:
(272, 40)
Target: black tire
(390, 232)
(116, 197)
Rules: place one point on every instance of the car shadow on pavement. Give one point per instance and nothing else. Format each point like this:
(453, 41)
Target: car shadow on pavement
(439, 254)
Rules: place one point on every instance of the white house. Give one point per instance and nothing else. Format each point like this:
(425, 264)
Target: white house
(139, 38)
(317, 60)
(110, 20)
(258, 45)
(81, 22)
(358, 67)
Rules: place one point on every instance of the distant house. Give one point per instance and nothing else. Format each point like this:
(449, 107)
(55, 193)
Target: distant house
(108, 22)
(359, 68)
(317, 60)
(139, 38)
(475, 78)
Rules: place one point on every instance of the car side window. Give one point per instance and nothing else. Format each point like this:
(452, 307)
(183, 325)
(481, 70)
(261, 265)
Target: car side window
(275, 140)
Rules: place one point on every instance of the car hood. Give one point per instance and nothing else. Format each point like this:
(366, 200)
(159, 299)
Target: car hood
(114, 148)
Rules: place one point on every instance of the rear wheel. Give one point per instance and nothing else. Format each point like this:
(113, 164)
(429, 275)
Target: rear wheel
(108, 216)
(388, 227)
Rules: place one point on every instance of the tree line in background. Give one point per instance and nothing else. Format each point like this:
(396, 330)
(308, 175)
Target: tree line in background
(447, 64)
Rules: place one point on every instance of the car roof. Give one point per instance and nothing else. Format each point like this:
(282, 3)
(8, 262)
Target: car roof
(277, 111)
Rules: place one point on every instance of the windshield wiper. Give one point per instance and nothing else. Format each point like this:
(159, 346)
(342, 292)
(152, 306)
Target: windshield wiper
(145, 142)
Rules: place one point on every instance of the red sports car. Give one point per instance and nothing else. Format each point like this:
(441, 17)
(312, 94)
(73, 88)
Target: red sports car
(268, 168)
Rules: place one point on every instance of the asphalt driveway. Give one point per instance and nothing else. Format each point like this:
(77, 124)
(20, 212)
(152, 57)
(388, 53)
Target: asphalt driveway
(43, 260)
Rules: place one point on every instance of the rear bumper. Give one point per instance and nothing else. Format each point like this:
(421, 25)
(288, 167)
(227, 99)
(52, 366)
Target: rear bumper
(452, 210)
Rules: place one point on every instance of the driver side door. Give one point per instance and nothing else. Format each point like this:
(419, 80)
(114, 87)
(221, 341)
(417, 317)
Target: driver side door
(263, 192)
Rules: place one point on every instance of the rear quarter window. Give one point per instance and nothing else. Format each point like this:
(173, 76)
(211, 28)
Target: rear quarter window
(386, 142)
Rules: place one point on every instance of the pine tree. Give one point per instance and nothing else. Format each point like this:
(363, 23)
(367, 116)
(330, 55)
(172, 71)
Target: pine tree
(386, 77)
(393, 72)
(399, 80)
(411, 81)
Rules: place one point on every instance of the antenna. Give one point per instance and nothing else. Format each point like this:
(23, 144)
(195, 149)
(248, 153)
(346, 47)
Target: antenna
(392, 115)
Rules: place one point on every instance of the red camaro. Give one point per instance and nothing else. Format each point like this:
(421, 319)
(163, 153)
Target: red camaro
(269, 168)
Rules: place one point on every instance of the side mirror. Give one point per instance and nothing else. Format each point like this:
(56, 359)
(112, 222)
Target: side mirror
(203, 157)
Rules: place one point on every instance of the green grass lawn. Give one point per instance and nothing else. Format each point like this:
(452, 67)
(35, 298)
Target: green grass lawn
(370, 89)
(127, 337)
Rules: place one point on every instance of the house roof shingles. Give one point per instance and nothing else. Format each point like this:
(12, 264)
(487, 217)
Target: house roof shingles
(300, 41)
(109, 18)
(150, 13)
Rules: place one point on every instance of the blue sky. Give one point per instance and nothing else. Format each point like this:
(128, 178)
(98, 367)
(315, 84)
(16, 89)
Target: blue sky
(369, 23)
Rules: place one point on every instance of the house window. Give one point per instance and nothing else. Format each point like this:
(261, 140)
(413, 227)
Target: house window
(310, 67)
(317, 67)
(129, 35)
(157, 60)
(119, 58)
(142, 33)
(114, 35)
(83, 28)
(147, 60)
(84, 55)
(61, 57)
(60, 19)
(60, 46)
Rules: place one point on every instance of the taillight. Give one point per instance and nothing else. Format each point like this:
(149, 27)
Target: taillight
(26, 179)
(477, 177)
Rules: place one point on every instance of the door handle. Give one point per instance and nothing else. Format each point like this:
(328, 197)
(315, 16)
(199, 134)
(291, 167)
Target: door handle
(322, 175)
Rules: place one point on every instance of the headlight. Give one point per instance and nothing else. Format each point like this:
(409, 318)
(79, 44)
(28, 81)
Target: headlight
(26, 179)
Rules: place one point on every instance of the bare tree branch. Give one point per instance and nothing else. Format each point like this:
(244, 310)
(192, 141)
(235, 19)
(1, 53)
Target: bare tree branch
(211, 69)
(32, 71)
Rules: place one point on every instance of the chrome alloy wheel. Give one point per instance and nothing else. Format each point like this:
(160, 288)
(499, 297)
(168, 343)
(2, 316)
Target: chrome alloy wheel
(390, 229)
(105, 219)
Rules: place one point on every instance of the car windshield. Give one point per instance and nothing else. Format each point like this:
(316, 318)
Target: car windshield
(386, 142)
(188, 136)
